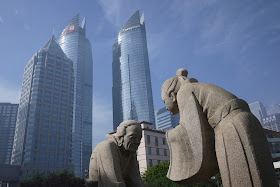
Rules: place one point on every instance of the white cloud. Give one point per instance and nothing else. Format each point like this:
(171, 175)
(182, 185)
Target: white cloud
(102, 118)
(216, 26)
(16, 12)
(1, 19)
(26, 27)
(189, 12)
(112, 10)
(155, 43)
(9, 93)
(19, 11)
(274, 40)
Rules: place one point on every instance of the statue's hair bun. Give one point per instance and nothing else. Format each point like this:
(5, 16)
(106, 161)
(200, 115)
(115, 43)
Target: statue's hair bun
(182, 72)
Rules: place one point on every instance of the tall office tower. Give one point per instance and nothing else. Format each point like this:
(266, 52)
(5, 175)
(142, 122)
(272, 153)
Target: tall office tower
(273, 109)
(258, 110)
(165, 120)
(8, 118)
(77, 47)
(42, 141)
(132, 89)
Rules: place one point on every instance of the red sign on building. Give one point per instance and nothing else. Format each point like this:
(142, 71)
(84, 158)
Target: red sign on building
(70, 29)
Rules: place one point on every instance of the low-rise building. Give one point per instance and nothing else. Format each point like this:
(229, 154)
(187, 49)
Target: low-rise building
(153, 148)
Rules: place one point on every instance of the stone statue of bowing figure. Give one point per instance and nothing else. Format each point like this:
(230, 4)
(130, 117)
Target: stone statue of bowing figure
(113, 162)
(217, 131)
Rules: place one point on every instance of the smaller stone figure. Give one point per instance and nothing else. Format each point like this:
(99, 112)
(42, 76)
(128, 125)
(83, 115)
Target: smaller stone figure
(113, 162)
(208, 113)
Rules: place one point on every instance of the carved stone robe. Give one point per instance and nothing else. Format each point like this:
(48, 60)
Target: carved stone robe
(109, 166)
(241, 147)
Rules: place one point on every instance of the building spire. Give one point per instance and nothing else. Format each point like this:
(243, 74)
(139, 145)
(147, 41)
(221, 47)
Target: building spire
(74, 21)
(72, 26)
(84, 23)
(134, 20)
(53, 30)
(53, 45)
(142, 20)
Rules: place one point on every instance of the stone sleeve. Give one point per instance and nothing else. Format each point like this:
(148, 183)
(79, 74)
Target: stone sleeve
(134, 178)
(110, 173)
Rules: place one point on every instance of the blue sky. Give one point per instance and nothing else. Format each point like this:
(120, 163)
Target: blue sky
(233, 44)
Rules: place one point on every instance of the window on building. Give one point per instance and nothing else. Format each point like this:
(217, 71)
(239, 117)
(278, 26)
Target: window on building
(157, 151)
(149, 150)
(163, 141)
(156, 141)
(150, 162)
(148, 139)
(165, 152)
(158, 162)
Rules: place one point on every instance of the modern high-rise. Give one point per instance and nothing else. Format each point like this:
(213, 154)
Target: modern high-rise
(132, 90)
(258, 110)
(165, 120)
(43, 138)
(272, 122)
(273, 109)
(77, 47)
(8, 118)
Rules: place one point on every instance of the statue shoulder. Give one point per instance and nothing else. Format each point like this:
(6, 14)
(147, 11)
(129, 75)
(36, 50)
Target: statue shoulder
(108, 144)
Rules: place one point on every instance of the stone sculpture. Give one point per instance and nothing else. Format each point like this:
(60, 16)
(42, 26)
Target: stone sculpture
(113, 162)
(210, 113)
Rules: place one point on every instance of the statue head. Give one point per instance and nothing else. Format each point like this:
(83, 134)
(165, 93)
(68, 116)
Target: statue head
(129, 134)
(171, 87)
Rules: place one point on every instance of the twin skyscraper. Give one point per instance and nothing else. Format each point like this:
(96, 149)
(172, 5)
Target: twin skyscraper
(132, 89)
(54, 124)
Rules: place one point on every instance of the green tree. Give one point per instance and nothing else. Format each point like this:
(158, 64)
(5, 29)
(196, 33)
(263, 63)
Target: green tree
(156, 176)
(61, 179)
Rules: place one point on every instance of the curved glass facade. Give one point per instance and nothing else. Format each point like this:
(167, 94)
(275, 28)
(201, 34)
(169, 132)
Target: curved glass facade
(77, 47)
(43, 136)
(132, 90)
(166, 120)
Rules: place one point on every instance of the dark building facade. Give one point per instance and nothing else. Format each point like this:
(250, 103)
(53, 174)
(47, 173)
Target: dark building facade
(8, 118)
(77, 47)
(132, 90)
(273, 139)
(43, 139)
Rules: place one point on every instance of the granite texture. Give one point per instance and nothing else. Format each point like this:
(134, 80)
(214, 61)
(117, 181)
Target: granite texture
(214, 120)
(113, 162)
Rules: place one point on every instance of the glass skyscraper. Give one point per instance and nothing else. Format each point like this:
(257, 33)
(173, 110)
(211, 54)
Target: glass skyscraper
(77, 47)
(43, 137)
(258, 110)
(132, 90)
(273, 109)
(272, 122)
(165, 120)
(8, 118)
